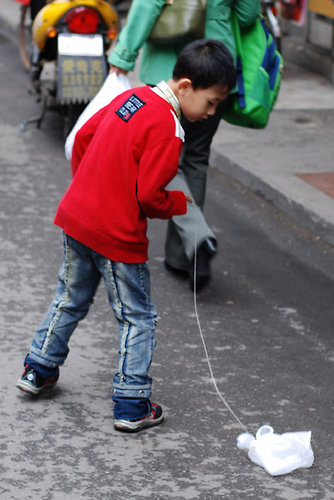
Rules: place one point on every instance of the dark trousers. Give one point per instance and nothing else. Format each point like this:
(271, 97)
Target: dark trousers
(194, 163)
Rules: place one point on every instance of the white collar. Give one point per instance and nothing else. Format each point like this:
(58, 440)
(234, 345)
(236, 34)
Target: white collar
(166, 93)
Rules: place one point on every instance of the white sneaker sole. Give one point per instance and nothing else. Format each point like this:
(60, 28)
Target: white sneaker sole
(128, 426)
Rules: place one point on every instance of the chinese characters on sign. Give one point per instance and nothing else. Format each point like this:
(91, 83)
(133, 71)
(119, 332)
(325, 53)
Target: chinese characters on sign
(79, 78)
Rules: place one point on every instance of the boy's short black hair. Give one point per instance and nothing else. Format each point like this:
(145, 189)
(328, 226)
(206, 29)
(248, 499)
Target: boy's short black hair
(206, 63)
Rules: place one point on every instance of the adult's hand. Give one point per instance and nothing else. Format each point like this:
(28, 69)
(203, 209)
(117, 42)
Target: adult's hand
(118, 71)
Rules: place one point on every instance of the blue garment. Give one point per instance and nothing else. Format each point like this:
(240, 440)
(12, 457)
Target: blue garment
(131, 408)
(128, 289)
(43, 371)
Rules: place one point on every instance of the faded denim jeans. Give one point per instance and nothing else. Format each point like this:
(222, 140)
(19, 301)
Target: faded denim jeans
(128, 289)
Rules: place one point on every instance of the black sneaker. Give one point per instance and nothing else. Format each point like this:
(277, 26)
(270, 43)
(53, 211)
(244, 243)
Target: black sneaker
(154, 418)
(33, 383)
(179, 273)
(205, 252)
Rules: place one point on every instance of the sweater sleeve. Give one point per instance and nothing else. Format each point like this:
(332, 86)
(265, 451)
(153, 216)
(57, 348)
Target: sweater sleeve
(139, 24)
(158, 165)
(246, 11)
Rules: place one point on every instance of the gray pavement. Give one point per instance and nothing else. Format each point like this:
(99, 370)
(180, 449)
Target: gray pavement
(297, 141)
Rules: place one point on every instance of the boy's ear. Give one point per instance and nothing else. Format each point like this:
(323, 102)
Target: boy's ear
(184, 84)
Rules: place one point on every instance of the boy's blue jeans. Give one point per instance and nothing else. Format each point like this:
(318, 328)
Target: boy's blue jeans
(128, 289)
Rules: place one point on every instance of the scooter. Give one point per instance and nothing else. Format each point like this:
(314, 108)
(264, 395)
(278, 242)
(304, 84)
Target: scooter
(68, 62)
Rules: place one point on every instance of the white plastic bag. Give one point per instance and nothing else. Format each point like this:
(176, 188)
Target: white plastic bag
(278, 453)
(113, 86)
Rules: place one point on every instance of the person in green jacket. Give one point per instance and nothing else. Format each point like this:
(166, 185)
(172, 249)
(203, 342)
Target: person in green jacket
(157, 62)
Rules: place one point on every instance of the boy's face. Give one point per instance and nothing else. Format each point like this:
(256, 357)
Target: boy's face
(199, 104)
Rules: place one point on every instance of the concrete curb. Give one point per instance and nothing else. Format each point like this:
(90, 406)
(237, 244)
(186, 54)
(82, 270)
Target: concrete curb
(300, 214)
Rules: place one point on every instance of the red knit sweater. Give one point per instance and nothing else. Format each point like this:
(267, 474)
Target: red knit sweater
(122, 160)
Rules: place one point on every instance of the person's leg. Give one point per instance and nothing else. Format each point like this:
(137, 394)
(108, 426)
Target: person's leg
(191, 229)
(128, 288)
(194, 164)
(181, 244)
(78, 279)
(77, 282)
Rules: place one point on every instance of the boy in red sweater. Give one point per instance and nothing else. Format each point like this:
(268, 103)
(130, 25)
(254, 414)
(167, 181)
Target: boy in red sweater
(122, 160)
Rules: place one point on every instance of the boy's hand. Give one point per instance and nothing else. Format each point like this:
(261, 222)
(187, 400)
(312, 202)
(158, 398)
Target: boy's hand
(189, 198)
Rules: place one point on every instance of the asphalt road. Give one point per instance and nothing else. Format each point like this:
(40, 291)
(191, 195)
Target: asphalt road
(267, 319)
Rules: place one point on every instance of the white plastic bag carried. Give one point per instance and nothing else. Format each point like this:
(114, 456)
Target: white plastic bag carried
(113, 86)
(278, 453)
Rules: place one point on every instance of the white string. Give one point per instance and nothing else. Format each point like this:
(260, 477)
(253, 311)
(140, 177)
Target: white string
(203, 341)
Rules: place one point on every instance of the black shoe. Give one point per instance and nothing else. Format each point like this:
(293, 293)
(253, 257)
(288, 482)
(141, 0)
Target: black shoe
(181, 273)
(33, 383)
(155, 417)
(204, 254)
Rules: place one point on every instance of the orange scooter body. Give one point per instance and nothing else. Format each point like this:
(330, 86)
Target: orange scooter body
(47, 18)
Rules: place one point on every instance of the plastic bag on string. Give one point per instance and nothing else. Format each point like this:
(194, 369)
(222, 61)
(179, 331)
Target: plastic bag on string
(113, 86)
(278, 453)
